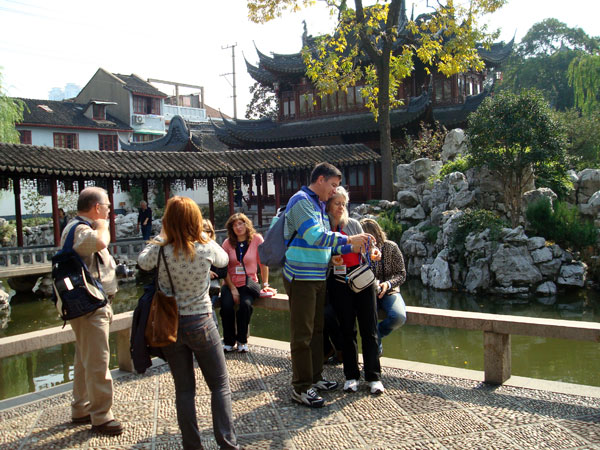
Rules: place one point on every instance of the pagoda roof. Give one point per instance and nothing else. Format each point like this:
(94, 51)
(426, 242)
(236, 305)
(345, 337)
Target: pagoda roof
(41, 162)
(497, 53)
(452, 116)
(243, 133)
(177, 139)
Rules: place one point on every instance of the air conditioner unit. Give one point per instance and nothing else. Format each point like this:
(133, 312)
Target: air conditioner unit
(138, 119)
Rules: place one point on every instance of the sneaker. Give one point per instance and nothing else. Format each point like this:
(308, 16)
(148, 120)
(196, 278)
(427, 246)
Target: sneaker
(110, 428)
(308, 398)
(325, 385)
(228, 348)
(376, 387)
(242, 348)
(351, 386)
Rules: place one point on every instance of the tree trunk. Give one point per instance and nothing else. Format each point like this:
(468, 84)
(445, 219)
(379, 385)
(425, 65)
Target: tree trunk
(385, 136)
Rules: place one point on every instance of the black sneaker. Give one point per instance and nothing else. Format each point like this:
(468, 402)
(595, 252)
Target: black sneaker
(325, 385)
(308, 398)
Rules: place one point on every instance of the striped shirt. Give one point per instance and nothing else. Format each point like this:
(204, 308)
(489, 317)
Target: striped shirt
(308, 255)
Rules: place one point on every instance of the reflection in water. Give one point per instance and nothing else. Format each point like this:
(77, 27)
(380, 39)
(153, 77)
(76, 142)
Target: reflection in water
(552, 359)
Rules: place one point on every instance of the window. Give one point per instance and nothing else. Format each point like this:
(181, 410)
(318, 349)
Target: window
(25, 136)
(99, 112)
(146, 105)
(306, 104)
(108, 142)
(66, 140)
(141, 137)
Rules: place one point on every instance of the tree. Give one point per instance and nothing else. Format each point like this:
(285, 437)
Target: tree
(263, 103)
(542, 60)
(370, 46)
(515, 135)
(11, 112)
(584, 77)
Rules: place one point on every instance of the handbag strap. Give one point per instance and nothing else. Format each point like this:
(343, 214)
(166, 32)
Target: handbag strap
(161, 254)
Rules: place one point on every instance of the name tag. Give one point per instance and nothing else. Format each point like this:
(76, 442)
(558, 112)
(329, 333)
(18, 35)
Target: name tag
(68, 284)
(339, 270)
(239, 270)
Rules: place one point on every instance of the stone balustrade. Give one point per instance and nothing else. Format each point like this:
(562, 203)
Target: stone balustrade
(497, 330)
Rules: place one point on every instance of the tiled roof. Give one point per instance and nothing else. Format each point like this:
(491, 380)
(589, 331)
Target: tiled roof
(266, 130)
(65, 114)
(497, 53)
(36, 161)
(177, 139)
(138, 85)
(451, 116)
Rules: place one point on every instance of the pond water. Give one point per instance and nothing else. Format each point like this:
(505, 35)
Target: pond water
(551, 359)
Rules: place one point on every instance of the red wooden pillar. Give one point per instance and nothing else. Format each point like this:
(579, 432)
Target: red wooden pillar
(277, 191)
(144, 190)
(18, 214)
(55, 222)
(367, 169)
(347, 177)
(259, 199)
(167, 189)
(211, 201)
(111, 214)
(230, 194)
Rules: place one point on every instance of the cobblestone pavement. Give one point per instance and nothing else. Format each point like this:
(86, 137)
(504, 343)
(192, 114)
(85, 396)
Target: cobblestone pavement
(417, 411)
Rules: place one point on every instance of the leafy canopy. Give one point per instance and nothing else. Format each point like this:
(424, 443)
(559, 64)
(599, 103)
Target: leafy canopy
(584, 77)
(514, 136)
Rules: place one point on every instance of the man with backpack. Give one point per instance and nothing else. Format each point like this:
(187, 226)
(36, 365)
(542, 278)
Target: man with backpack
(92, 381)
(310, 242)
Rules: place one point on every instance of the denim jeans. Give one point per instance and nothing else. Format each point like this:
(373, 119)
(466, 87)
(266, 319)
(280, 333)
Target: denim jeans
(395, 309)
(197, 336)
(236, 323)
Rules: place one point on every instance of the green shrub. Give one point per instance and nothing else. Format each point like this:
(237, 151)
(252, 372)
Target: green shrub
(7, 233)
(563, 224)
(475, 221)
(389, 224)
(460, 164)
(431, 233)
(554, 176)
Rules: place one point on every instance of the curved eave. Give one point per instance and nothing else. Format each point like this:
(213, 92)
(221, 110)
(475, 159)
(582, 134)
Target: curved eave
(497, 54)
(176, 139)
(284, 64)
(264, 77)
(458, 114)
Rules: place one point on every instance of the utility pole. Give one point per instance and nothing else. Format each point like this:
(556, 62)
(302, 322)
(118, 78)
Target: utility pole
(232, 47)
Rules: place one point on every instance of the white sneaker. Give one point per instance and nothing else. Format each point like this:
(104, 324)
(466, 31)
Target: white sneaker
(376, 387)
(308, 398)
(351, 386)
(242, 348)
(228, 348)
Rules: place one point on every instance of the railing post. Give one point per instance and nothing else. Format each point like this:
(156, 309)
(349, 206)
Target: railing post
(123, 352)
(496, 357)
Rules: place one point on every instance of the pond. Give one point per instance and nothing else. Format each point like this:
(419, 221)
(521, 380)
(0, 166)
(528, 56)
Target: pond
(550, 359)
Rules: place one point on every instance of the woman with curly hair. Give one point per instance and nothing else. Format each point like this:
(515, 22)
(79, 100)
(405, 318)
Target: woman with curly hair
(391, 273)
(242, 247)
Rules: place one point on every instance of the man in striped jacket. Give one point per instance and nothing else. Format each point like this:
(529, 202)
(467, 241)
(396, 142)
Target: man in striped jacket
(304, 278)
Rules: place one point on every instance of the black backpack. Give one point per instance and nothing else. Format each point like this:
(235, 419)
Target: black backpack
(76, 291)
(272, 251)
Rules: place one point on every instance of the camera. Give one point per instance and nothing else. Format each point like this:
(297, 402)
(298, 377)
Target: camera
(122, 271)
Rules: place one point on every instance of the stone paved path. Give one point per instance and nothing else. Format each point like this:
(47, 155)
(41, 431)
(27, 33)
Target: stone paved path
(417, 411)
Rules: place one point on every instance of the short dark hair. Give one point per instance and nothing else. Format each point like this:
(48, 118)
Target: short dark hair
(325, 169)
(89, 197)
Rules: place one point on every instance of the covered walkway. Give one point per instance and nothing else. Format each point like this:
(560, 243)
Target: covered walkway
(424, 407)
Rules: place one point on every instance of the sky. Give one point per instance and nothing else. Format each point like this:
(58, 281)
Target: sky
(46, 44)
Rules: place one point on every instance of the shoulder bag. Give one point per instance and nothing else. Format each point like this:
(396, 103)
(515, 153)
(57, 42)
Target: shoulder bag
(252, 285)
(362, 276)
(163, 319)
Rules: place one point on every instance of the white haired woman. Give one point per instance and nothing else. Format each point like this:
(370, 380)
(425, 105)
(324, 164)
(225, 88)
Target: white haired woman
(351, 306)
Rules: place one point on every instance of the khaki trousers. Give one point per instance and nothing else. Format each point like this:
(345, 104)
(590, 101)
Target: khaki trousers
(307, 304)
(92, 381)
